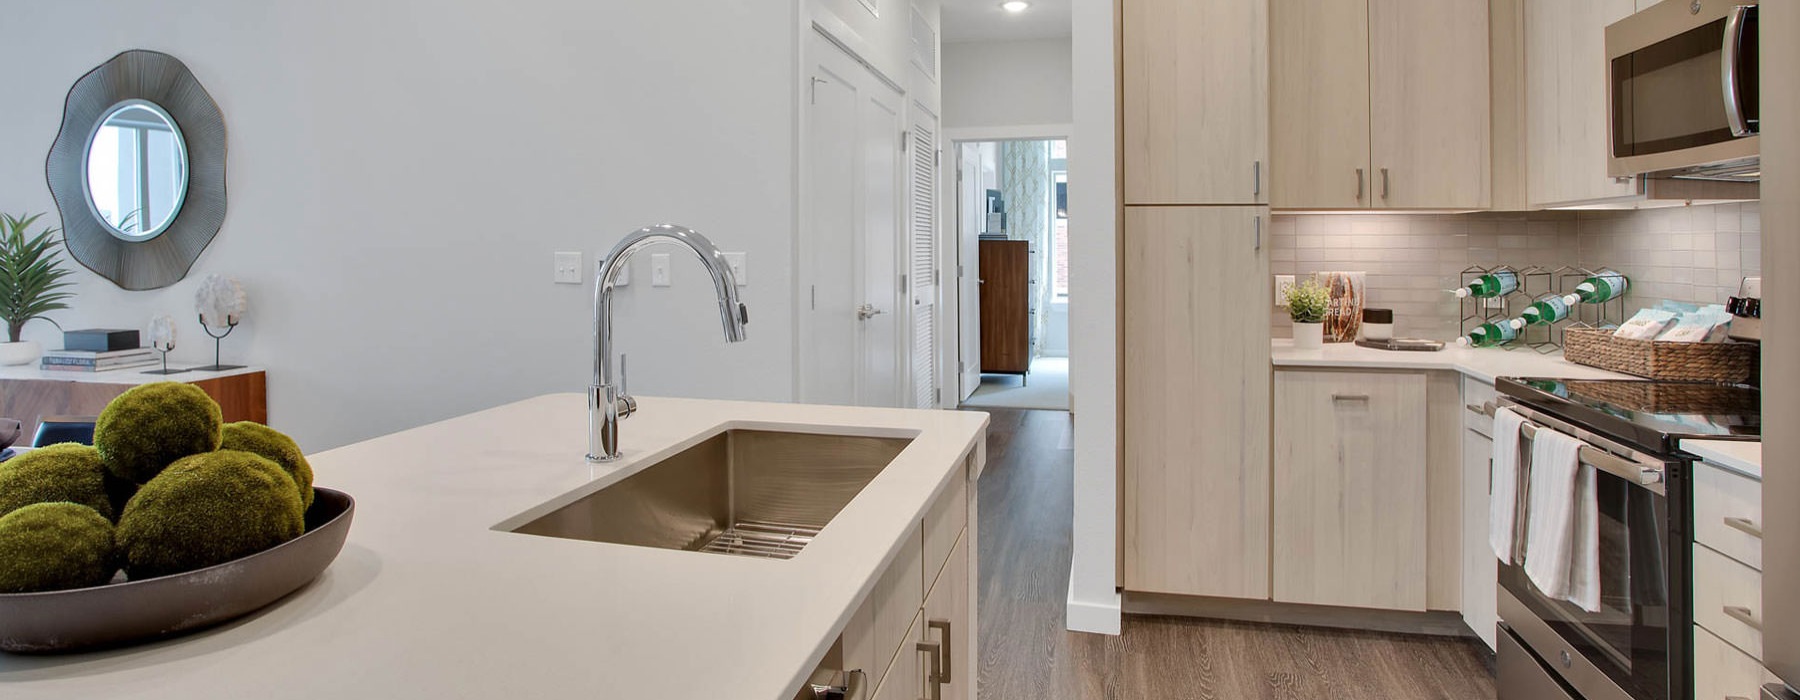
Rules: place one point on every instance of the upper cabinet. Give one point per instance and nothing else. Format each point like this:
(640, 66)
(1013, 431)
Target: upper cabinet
(1379, 104)
(1195, 94)
(1565, 101)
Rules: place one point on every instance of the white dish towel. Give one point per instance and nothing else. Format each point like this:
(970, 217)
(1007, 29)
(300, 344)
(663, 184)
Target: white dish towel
(1504, 487)
(1562, 538)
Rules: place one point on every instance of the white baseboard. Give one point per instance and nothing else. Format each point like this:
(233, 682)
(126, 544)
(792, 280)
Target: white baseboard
(1095, 618)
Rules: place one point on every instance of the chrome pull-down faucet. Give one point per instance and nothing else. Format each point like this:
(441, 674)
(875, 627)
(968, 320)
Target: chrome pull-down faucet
(607, 400)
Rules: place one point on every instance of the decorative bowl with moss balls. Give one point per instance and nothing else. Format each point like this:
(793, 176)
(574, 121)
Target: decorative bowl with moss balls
(171, 522)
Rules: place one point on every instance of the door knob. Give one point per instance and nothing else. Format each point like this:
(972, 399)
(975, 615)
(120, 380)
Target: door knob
(867, 311)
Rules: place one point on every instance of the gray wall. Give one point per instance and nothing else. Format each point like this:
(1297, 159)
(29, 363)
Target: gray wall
(1008, 83)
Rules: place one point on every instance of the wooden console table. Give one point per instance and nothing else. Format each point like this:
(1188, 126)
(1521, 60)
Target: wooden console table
(30, 394)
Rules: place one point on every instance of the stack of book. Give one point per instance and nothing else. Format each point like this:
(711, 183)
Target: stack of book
(91, 361)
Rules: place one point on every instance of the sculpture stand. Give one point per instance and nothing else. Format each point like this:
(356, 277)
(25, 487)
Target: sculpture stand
(165, 361)
(231, 323)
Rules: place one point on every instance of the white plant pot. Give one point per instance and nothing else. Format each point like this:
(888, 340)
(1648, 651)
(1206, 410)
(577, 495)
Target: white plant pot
(1309, 336)
(23, 352)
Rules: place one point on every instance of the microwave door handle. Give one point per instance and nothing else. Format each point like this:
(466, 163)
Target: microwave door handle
(1733, 47)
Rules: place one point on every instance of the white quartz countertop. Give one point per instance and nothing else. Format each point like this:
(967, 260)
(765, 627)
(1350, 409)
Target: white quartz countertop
(133, 375)
(1736, 455)
(1481, 363)
(427, 600)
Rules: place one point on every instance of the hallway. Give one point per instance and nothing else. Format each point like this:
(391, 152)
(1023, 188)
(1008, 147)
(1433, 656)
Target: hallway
(1027, 654)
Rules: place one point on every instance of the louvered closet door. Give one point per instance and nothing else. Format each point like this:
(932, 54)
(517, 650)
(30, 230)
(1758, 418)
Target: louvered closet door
(922, 227)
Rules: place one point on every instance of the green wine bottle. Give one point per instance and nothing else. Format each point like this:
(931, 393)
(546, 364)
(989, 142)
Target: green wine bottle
(1489, 335)
(1545, 310)
(1606, 285)
(1494, 284)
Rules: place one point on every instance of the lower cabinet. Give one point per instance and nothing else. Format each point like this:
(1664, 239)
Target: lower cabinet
(1480, 570)
(914, 636)
(1350, 494)
(1722, 672)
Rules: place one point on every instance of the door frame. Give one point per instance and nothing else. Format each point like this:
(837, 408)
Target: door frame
(949, 252)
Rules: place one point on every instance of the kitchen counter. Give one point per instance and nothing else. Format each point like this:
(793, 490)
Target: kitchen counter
(1736, 455)
(133, 376)
(427, 600)
(1481, 363)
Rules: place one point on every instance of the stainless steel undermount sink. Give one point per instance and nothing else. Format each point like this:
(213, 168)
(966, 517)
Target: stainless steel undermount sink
(747, 492)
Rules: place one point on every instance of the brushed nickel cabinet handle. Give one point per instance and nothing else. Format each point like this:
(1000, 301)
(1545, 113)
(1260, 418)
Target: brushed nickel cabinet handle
(943, 628)
(934, 681)
(1350, 397)
(1475, 409)
(1744, 615)
(1256, 178)
(1258, 224)
(1745, 525)
(1384, 183)
(1359, 184)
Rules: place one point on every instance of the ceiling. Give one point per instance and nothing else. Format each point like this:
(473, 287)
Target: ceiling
(983, 20)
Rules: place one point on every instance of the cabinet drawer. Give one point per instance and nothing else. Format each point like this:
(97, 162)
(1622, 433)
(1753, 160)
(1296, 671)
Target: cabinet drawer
(1728, 600)
(1728, 514)
(879, 627)
(1478, 393)
(1724, 673)
(944, 521)
(904, 678)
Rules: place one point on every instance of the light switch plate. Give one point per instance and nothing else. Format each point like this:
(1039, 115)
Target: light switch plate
(736, 261)
(1283, 283)
(659, 270)
(620, 279)
(568, 268)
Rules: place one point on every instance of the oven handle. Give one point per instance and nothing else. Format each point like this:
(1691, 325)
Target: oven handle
(1733, 47)
(1602, 460)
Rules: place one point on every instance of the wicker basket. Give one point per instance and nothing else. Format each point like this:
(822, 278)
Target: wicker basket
(1732, 363)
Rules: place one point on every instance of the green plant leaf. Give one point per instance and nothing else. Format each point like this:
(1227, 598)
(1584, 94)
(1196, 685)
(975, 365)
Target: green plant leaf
(32, 275)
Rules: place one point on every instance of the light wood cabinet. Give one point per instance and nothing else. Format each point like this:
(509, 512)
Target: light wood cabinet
(1350, 489)
(1480, 569)
(1721, 672)
(1566, 123)
(1195, 101)
(1379, 103)
(1196, 401)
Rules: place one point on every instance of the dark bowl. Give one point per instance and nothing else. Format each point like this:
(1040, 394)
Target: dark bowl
(55, 622)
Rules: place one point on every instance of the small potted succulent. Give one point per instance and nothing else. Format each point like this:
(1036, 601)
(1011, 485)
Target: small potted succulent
(32, 283)
(1306, 303)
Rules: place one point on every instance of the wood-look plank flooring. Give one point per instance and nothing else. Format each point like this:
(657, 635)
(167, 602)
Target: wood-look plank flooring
(1026, 653)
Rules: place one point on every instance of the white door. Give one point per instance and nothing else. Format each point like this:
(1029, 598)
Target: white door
(851, 327)
(972, 207)
(922, 254)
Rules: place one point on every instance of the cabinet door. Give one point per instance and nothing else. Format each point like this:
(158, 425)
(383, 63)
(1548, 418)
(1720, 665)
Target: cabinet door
(1196, 404)
(1350, 491)
(1196, 103)
(1429, 92)
(1566, 121)
(948, 624)
(1480, 570)
(904, 679)
(1319, 104)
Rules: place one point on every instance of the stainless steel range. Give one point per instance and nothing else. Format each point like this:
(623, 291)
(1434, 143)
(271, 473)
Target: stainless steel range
(1639, 645)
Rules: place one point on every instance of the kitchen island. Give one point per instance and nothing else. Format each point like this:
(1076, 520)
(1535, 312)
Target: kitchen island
(430, 600)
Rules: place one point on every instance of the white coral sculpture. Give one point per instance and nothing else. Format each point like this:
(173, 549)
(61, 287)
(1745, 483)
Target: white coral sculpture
(220, 301)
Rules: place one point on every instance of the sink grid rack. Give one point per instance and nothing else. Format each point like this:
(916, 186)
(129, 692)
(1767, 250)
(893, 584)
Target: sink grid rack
(762, 539)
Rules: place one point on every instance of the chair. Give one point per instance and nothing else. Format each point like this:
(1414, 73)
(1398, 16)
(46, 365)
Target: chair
(59, 429)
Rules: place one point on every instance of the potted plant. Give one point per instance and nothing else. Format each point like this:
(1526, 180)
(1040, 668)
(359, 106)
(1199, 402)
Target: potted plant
(1306, 303)
(32, 280)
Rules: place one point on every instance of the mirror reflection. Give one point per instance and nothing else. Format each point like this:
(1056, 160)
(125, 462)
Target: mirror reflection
(136, 170)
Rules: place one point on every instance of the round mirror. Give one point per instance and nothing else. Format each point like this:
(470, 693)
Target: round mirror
(136, 170)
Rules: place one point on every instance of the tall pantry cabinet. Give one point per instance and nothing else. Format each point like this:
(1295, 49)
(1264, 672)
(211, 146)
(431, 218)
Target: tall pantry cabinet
(1196, 297)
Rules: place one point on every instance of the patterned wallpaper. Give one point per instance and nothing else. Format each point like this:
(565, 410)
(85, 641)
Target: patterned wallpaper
(1025, 183)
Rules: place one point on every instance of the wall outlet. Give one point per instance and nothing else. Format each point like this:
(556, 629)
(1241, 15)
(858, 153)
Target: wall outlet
(621, 279)
(1751, 288)
(568, 268)
(659, 270)
(736, 261)
(1283, 284)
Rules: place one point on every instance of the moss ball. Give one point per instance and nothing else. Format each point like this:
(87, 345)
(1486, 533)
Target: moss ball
(54, 547)
(208, 509)
(271, 444)
(59, 473)
(150, 426)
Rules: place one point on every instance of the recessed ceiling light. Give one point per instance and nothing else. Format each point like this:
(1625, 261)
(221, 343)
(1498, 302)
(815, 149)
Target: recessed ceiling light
(1015, 6)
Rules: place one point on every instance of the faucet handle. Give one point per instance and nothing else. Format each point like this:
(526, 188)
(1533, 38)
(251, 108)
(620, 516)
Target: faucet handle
(624, 376)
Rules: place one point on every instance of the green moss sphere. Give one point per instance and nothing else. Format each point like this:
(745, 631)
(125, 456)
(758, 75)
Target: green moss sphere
(208, 509)
(271, 444)
(59, 473)
(54, 547)
(150, 426)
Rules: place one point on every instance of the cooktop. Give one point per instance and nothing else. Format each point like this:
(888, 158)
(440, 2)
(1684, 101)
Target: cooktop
(1655, 415)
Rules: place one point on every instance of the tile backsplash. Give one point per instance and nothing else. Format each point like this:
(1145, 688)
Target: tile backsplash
(1693, 254)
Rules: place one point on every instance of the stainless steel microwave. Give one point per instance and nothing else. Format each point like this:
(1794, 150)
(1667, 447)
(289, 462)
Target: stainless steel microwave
(1682, 89)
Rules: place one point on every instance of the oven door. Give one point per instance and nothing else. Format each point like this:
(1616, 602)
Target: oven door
(1626, 650)
(1683, 90)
